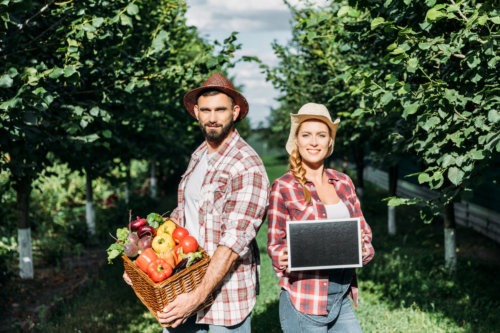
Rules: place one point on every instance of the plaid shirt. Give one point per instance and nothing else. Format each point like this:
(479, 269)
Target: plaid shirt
(234, 195)
(309, 289)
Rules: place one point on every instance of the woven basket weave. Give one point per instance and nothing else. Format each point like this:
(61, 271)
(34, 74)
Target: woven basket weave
(156, 296)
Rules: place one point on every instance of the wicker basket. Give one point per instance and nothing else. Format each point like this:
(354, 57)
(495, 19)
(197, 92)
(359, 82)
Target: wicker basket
(156, 296)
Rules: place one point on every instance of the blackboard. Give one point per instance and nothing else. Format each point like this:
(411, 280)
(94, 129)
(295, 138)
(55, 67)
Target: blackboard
(324, 244)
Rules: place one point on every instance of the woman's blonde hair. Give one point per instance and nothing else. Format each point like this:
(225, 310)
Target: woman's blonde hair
(299, 172)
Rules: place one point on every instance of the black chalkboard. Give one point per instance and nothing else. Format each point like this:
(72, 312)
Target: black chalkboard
(324, 244)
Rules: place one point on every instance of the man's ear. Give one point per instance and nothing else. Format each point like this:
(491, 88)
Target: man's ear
(236, 112)
(196, 110)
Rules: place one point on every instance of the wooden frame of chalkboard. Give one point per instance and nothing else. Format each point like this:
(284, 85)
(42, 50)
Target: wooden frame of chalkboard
(324, 244)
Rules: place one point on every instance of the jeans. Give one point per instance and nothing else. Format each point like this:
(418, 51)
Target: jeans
(341, 318)
(190, 326)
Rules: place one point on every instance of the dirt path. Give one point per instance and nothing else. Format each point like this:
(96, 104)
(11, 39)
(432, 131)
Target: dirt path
(25, 302)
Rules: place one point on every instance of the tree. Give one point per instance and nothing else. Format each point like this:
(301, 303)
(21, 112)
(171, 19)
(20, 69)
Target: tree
(408, 79)
(98, 83)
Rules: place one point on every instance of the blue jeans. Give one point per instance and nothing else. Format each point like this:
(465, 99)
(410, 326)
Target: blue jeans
(190, 326)
(341, 318)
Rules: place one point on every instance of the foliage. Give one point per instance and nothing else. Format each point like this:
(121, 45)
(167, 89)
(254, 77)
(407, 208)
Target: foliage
(404, 289)
(99, 83)
(407, 78)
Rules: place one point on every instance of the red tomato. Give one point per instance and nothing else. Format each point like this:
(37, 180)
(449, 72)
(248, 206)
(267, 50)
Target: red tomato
(179, 233)
(189, 244)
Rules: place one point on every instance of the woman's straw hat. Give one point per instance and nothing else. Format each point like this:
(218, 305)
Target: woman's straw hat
(216, 82)
(311, 111)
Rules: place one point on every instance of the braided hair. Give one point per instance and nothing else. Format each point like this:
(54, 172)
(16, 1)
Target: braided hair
(299, 172)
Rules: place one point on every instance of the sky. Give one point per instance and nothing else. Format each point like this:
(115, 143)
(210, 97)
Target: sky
(258, 23)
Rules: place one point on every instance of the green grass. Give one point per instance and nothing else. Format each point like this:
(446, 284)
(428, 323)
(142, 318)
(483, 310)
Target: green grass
(404, 289)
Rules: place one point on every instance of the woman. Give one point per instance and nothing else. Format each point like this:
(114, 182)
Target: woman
(316, 300)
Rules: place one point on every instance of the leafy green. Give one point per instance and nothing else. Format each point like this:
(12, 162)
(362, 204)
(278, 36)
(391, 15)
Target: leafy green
(116, 249)
(154, 220)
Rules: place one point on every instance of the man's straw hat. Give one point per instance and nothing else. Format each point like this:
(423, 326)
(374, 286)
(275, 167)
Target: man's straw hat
(216, 82)
(311, 111)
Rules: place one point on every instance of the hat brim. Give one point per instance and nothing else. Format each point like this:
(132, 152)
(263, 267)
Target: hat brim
(297, 119)
(191, 99)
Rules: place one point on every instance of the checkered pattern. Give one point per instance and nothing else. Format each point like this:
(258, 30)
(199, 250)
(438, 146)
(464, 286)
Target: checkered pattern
(309, 289)
(235, 194)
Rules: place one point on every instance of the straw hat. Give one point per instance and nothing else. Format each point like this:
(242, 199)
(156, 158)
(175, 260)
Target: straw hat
(311, 111)
(217, 82)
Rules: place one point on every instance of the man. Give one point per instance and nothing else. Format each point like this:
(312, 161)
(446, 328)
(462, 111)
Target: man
(222, 199)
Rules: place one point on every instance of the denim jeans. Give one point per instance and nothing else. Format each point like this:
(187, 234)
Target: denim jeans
(340, 319)
(190, 326)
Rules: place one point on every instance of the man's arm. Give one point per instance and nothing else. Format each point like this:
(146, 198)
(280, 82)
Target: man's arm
(184, 305)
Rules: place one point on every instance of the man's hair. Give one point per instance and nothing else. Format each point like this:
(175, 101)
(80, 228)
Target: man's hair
(213, 92)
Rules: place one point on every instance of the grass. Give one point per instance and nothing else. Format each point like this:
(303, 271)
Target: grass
(404, 289)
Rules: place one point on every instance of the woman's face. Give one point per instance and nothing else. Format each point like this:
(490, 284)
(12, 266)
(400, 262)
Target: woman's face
(313, 141)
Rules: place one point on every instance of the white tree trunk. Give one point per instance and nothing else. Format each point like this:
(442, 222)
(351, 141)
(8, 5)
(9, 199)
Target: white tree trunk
(450, 254)
(127, 194)
(153, 184)
(90, 217)
(391, 220)
(25, 253)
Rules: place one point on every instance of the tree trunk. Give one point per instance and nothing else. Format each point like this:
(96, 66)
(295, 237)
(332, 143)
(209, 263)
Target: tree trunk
(128, 184)
(450, 253)
(23, 190)
(153, 183)
(89, 205)
(391, 210)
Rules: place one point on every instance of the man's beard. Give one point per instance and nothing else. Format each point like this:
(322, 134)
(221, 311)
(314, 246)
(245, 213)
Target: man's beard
(215, 137)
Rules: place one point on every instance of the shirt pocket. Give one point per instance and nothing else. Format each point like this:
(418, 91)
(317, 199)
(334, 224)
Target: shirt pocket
(219, 188)
(299, 211)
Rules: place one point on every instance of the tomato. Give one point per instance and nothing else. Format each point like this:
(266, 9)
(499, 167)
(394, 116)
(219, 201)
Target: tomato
(159, 270)
(146, 257)
(189, 244)
(179, 233)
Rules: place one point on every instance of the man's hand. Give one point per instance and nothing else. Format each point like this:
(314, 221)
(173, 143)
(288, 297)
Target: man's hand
(179, 310)
(127, 278)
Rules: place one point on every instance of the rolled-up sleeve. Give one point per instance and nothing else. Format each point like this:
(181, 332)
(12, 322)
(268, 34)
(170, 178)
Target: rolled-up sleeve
(244, 210)
(276, 233)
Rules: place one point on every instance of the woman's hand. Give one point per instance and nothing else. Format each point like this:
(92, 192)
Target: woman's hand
(283, 259)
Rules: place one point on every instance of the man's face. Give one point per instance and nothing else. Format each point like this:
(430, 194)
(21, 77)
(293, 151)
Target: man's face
(216, 116)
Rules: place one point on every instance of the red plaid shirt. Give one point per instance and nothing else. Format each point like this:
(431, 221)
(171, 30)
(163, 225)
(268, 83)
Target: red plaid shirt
(235, 195)
(309, 289)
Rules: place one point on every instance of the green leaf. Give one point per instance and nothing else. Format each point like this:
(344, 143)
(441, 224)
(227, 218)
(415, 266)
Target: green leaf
(477, 154)
(376, 22)
(69, 70)
(343, 11)
(94, 111)
(410, 109)
(125, 20)
(107, 134)
(56, 72)
(493, 116)
(455, 175)
(97, 21)
(435, 13)
(412, 65)
(423, 178)
(132, 9)
(6, 81)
